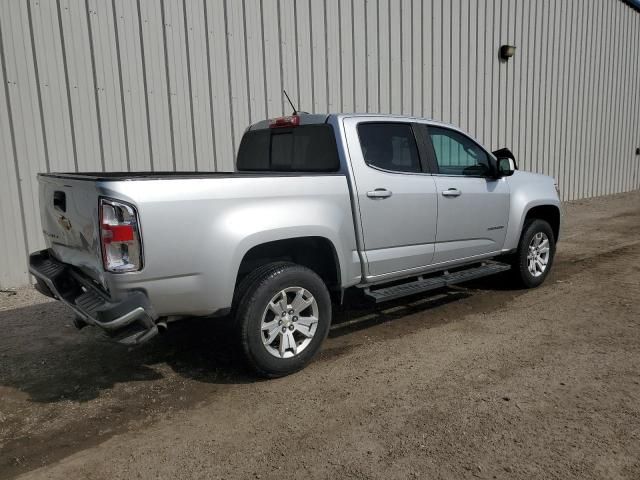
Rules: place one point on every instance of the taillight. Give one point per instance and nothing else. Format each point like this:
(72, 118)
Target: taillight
(120, 237)
(290, 121)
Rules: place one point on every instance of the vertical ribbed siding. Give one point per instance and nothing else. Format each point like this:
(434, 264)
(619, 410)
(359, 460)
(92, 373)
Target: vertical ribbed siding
(172, 84)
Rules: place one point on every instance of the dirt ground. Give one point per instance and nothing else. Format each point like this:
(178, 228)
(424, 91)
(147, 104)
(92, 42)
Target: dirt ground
(481, 381)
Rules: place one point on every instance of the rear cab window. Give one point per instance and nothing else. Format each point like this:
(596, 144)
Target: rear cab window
(303, 148)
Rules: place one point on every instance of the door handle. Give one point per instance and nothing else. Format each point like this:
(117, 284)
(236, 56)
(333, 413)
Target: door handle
(452, 192)
(379, 193)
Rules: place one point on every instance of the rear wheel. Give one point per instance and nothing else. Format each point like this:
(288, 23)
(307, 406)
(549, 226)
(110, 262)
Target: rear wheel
(283, 316)
(532, 262)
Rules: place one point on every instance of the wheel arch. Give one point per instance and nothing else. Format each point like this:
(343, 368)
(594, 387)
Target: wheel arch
(317, 253)
(547, 212)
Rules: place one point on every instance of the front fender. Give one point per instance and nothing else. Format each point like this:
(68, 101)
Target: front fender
(528, 190)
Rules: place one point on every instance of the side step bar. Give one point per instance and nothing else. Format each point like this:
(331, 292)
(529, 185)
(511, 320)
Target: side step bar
(420, 285)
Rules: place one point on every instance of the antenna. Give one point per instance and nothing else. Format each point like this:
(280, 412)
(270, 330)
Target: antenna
(290, 102)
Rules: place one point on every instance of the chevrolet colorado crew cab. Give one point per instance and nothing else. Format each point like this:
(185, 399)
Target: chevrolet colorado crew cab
(384, 205)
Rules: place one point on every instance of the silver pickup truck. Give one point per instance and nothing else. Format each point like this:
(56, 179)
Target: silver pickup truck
(386, 206)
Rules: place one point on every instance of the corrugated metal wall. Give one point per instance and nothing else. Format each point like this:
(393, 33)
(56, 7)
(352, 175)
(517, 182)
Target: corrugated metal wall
(171, 84)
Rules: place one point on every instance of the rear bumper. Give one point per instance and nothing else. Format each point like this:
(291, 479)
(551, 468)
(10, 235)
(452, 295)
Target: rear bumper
(129, 320)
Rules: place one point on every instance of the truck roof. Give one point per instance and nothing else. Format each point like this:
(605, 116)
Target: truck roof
(317, 118)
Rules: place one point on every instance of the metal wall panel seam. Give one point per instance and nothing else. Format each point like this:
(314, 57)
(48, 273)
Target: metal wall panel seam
(431, 49)
(598, 89)
(436, 64)
(317, 36)
(511, 74)
(166, 71)
(613, 177)
(617, 128)
(373, 55)
(282, 100)
(495, 73)
(246, 60)
(455, 83)
(471, 68)
(476, 128)
(95, 86)
(360, 75)
(333, 56)
(422, 49)
(340, 55)
(584, 104)
(499, 89)
(570, 91)
(588, 128)
(617, 102)
(630, 151)
(576, 109)
(144, 81)
(549, 89)
(26, 134)
(445, 61)
(188, 58)
(200, 101)
(124, 112)
(13, 143)
(366, 57)
(264, 60)
(103, 32)
(38, 88)
(412, 94)
(326, 53)
(296, 43)
(463, 66)
(584, 59)
(625, 143)
(619, 137)
(226, 39)
(538, 93)
(48, 54)
(628, 118)
(383, 56)
(635, 113)
(311, 59)
(400, 58)
(606, 44)
(553, 102)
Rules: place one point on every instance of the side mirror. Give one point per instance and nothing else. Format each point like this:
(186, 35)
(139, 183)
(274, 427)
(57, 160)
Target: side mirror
(506, 167)
(506, 164)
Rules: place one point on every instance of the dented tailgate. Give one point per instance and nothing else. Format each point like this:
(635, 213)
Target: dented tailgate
(69, 214)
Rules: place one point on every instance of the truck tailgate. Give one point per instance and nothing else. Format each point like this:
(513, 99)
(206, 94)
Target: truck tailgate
(69, 214)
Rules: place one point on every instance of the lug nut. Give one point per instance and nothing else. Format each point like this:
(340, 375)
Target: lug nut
(284, 314)
(290, 312)
(280, 322)
(291, 327)
(284, 329)
(295, 319)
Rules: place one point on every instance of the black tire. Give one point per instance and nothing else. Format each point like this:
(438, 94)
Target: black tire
(519, 261)
(255, 293)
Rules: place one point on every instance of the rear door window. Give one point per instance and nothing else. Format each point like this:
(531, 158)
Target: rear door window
(305, 148)
(389, 146)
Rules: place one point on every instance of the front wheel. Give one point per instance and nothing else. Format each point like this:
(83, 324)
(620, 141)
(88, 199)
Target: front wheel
(283, 314)
(532, 262)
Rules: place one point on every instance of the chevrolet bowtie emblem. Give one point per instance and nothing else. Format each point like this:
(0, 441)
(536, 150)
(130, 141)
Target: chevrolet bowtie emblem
(65, 223)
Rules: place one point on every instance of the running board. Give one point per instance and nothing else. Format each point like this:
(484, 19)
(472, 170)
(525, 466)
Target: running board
(432, 283)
